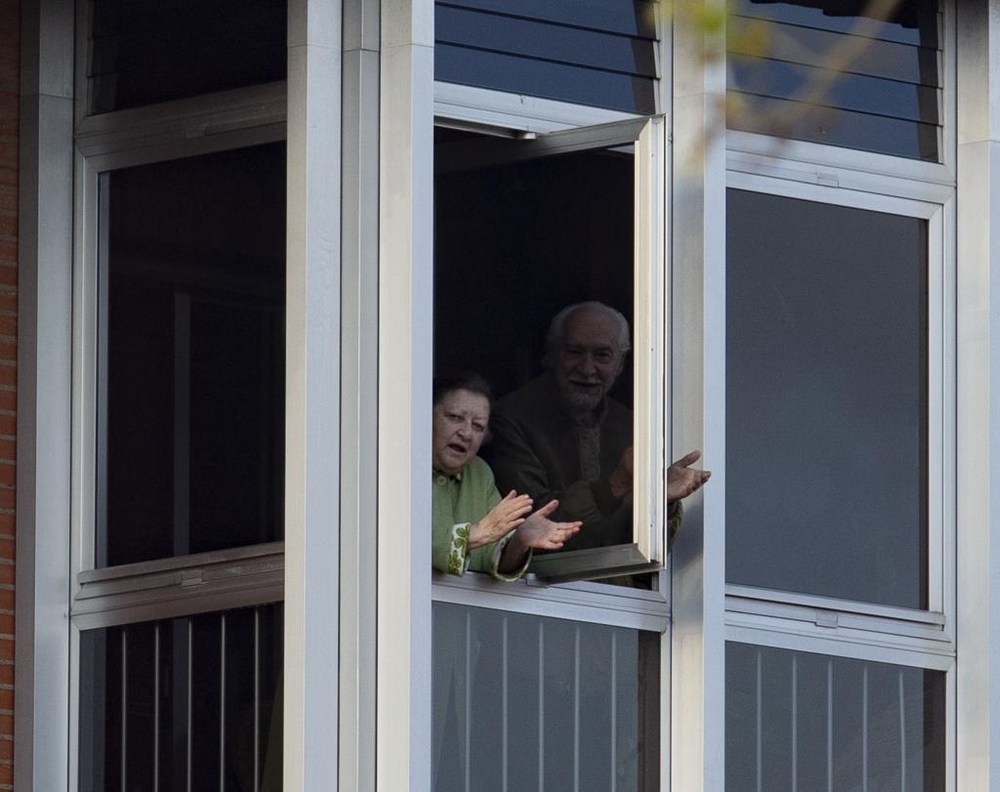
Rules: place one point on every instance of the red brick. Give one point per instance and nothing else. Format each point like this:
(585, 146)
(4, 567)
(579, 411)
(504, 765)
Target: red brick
(7, 501)
(8, 251)
(7, 551)
(6, 649)
(8, 376)
(6, 600)
(8, 270)
(6, 774)
(7, 678)
(7, 522)
(6, 624)
(8, 174)
(8, 300)
(8, 475)
(6, 750)
(8, 400)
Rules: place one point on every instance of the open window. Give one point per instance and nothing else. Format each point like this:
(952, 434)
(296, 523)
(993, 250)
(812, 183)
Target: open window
(527, 225)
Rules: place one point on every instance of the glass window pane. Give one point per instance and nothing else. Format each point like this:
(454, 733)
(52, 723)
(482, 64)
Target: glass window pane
(189, 702)
(148, 51)
(526, 702)
(797, 720)
(599, 54)
(192, 377)
(821, 71)
(826, 417)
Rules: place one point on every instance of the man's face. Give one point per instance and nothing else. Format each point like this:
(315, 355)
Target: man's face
(588, 362)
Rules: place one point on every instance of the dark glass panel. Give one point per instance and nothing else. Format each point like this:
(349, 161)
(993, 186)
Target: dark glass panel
(541, 701)
(797, 720)
(826, 418)
(529, 38)
(822, 72)
(179, 699)
(192, 417)
(587, 53)
(624, 17)
(143, 52)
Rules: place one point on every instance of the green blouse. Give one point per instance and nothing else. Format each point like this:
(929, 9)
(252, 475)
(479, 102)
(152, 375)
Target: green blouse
(460, 501)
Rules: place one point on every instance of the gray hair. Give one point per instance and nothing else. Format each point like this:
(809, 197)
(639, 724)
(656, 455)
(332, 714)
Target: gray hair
(557, 327)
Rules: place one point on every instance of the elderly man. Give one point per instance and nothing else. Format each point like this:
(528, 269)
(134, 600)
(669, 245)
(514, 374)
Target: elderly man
(561, 436)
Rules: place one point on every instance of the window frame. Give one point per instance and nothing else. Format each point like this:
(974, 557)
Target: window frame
(650, 353)
(934, 204)
(924, 639)
(163, 588)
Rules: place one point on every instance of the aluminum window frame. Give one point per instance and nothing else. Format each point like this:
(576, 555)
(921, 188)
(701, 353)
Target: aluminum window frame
(163, 588)
(651, 311)
(941, 360)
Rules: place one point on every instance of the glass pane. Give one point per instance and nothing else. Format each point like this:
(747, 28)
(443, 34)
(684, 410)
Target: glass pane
(796, 720)
(189, 702)
(517, 241)
(826, 417)
(148, 51)
(192, 388)
(820, 70)
(599, 54)
(526, 702)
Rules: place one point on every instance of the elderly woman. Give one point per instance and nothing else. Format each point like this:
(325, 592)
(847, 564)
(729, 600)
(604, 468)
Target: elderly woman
(474, 528)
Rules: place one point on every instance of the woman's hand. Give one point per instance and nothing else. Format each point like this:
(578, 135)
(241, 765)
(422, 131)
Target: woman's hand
(540, 532)
(503, 518)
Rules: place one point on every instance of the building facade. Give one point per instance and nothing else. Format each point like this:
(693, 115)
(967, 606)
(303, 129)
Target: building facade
(237, 240)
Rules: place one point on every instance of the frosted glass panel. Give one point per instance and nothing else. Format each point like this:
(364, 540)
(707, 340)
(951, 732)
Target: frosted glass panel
(796, 720)
(526, 702)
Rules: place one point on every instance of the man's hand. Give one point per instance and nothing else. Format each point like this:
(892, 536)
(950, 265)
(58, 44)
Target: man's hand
(540, 532)
(620, 479)
(682, 479)
(507, 515)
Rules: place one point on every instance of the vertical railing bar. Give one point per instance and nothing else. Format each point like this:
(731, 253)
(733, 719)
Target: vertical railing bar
(190, 704)
(864, 728)
(614, 710)
(829, 725)
(124, 739)
(795, 723)
(505, 694)
(467, 758)
(222, 703)
(760, 721)
(576, 708)
(541, 706)
(256, 698)
(902, 734)
(156, 707)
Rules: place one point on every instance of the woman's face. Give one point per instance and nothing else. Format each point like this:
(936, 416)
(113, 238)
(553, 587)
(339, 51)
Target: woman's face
(460, 420)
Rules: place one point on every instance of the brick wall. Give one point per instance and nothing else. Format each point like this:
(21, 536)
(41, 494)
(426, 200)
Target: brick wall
(9, 60)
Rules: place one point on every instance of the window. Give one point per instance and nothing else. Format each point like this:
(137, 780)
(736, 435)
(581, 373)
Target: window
(825, 72)
(827, 416)
(525, 701)
(179, 383)
(569, 217)
(143, 53)
(600, 54)
(809, 721)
